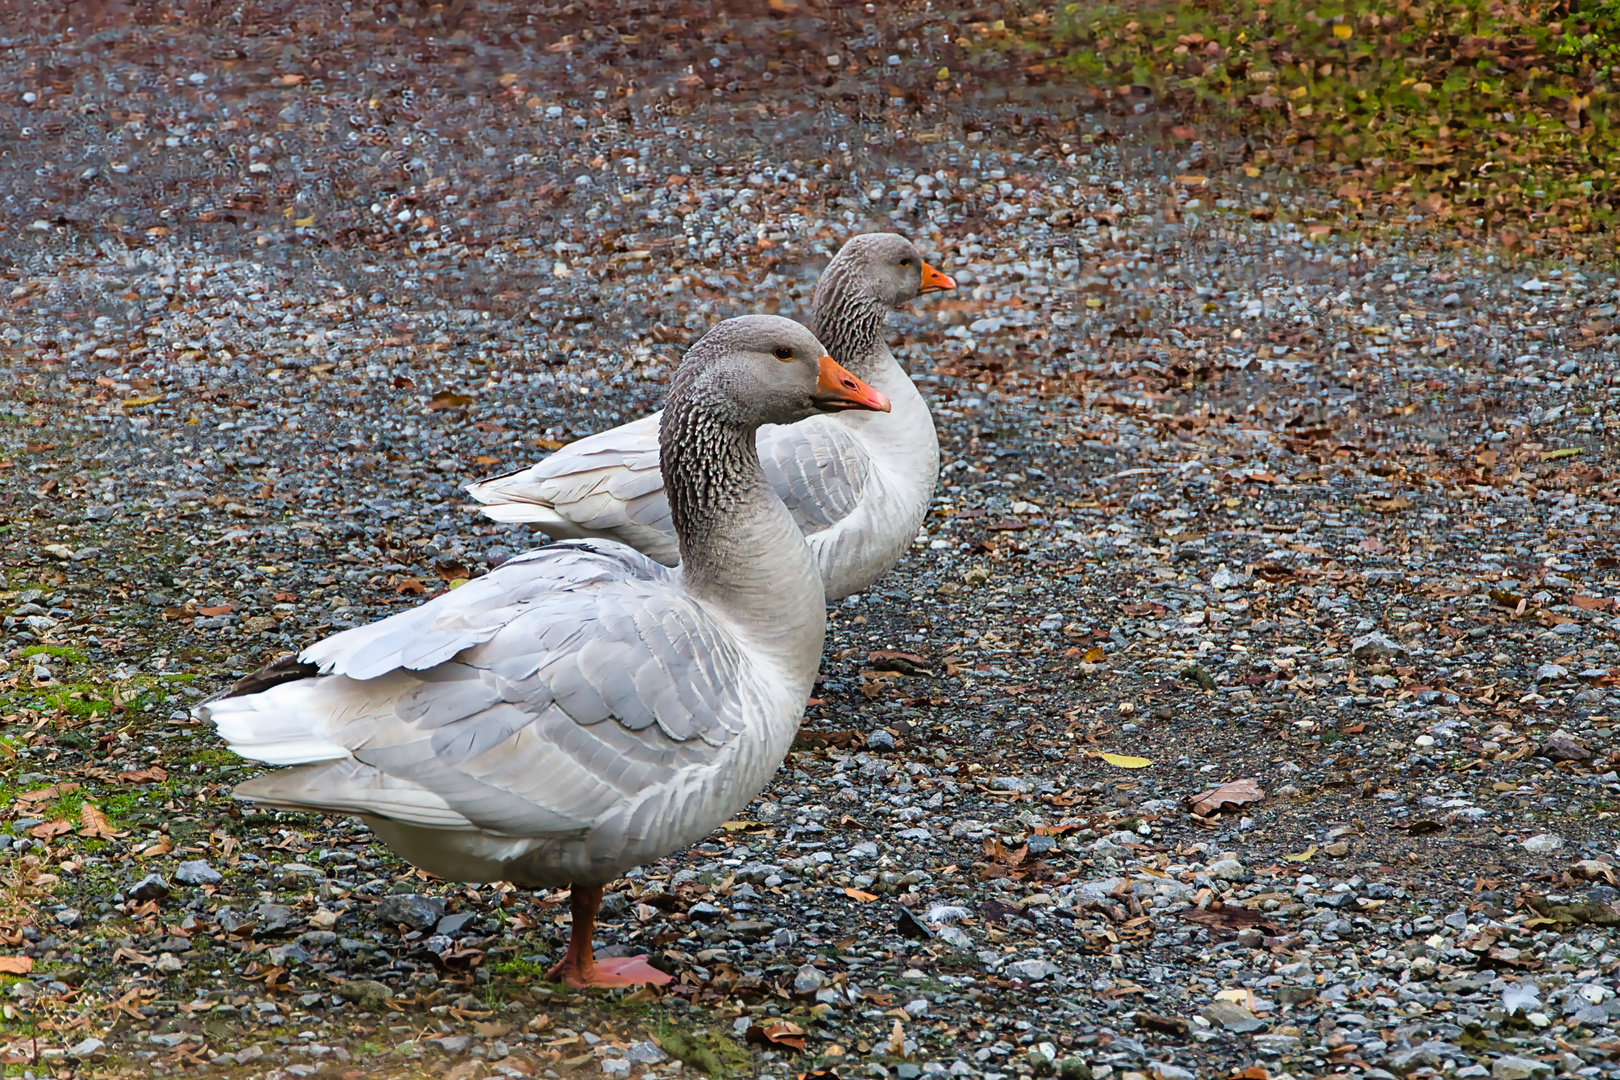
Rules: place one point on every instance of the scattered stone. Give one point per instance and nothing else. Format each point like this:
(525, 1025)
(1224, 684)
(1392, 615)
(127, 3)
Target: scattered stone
(1510, 1067)
(150, 887)
(1374, 646)
(197, 872)
(1543, 844)
(1560, 749)
(1232, 1017)
(412, 909)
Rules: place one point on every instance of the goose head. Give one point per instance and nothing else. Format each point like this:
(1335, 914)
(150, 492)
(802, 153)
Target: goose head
(764, 369)
(887, 267)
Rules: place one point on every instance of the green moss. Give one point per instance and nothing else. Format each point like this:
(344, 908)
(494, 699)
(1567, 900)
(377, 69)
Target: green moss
(59, 652)
(1487, 116)
(704, 1048)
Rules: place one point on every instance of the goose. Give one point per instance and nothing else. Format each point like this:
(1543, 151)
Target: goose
(581, 709)
(858, 484)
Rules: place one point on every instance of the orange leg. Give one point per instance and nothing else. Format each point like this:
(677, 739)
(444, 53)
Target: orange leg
(579, 966)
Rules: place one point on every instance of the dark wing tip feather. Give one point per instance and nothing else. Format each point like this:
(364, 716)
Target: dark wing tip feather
(287, 669)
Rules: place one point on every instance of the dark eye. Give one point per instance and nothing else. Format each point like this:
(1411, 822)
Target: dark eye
(906, 261)
(782, 352)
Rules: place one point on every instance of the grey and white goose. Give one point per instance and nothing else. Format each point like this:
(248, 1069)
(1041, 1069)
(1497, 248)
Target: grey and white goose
(858, 484)
(582, 709)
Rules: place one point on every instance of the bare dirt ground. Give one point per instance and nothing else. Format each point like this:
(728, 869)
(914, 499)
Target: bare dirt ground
(1324, 516)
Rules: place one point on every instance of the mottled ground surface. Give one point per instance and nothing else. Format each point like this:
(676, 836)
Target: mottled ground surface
(1226, 490)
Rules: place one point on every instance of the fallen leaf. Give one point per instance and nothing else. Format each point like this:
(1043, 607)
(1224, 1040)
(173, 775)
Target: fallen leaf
(905, 663)
(1233, 794)
(1391, 506)
(743, 826)
(1595, 603)
(212, 612)
(1125, 761)
(1304, 856)
(856, 894)
(1095, 655)
(411, 585)
(154, 775)
(1228, 919)
(1554, 455)
(16, 965)
(95, 824)
(50, 829)
(448, 399)
(138, 402)
(776, 1033)
(490, 1029)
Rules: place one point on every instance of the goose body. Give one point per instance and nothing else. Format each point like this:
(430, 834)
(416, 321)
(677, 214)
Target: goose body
(581, 709)
(857, 484)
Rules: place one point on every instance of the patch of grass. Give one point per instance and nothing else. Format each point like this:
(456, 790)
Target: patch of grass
(704, 1048)
(1483, 114)
(59, 652)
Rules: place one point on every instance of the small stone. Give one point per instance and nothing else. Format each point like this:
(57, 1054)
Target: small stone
(249, 1053)
(1231, 1016)
(1338, 849)
(1074, 1068)
(86, 1048)
(275, 918)
(169, 963)
(369, 994)
(1228, 870)
(1040, 844)
(645, 1053)
(414, 910)
(1543, 843)
(1165, 1071)
(197, 872)
(453, 1044)
(1550, 673)
(808, 980)
(1451, 299)
(1031, 970)
(451, 925)
(616, 1067)
(866, 849)
(1374, 646)
(880, 741)
(69, 917)
(150, 887)
(1561, 749)
(1510, 1067)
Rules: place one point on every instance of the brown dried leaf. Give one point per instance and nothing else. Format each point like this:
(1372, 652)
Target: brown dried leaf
(448, 399)
(95, 825)
(50, 829)
(16, 965)
(776, 1033)
(1228, 796)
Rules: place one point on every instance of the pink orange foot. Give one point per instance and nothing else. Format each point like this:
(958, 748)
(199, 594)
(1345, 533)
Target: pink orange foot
(617, 971)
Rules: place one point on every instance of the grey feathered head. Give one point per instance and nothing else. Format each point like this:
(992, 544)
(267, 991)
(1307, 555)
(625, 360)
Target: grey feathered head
(764, 369)
(886, 267)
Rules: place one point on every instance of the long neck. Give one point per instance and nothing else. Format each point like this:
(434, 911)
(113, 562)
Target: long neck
(740, 549)
(848, 319)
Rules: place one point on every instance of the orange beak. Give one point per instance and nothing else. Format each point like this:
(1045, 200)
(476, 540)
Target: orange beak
(934, 281)
(837, 389)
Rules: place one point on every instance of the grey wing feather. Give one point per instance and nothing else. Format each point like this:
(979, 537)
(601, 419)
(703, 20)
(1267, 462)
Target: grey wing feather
(509, 731)
(607, 484)
(818, 468)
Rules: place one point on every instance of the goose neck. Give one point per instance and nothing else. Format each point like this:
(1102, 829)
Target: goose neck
(740, 548)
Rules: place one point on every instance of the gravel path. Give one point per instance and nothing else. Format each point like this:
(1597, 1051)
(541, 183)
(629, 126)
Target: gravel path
(1226, 490)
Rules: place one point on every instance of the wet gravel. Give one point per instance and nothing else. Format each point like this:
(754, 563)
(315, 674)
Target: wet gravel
(1225, 489)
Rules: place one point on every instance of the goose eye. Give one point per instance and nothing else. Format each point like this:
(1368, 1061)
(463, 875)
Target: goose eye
(782, 352)
(906, 261)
